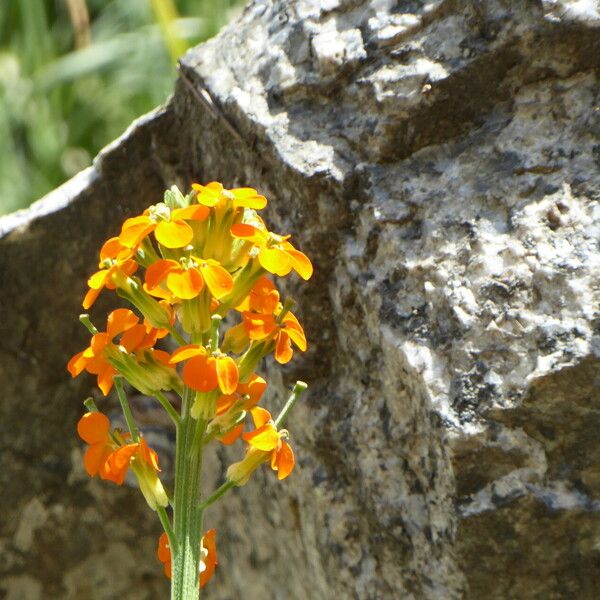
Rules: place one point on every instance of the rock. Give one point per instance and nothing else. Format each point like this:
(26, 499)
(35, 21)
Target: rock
(440, 163)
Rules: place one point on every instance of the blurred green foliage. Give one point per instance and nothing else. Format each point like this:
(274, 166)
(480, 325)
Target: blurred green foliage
(75, 73)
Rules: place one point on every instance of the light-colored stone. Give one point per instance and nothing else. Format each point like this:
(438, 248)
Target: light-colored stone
(18, 588)
(33, 517)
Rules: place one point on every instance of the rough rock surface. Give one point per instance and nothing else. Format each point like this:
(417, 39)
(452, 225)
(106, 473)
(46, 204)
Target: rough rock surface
(440, 162)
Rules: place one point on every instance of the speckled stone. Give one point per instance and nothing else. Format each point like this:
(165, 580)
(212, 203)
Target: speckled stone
(440, 162)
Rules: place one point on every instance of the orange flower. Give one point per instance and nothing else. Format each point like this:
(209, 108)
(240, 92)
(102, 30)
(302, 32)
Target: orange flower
(275, 254)
(93, 361)
(205, 372)
(169, 226)
(111, 460)
(135, 337)
(114, 259)
(263, 298)
(261, 321)
(231, 406)
(267, 439)
(164, 554)
(208, 555)
(94, 429)
(214, 194)
(284, 333)
(265, 444)
(187, 282)
(120, 460)
(247, 395)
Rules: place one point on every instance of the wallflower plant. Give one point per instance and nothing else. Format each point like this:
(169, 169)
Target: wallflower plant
(186, 264)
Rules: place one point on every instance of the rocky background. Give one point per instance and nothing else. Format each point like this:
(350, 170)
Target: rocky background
(440, 163)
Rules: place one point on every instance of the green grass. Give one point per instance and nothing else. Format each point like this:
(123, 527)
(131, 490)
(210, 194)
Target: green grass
(64, 96)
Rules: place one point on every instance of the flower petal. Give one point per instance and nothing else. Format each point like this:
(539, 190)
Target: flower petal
(113, 249)
(93, 427)
(284, 460)
(227, 374)
(263, 297)
(147, 455)
(275, 261)
(283, 348)
(260, 416)
(209, 194)
(161, 356)
(248, 198)
(98, 342)
(158, 270)
(225, 402)
(200, 373)
(134, 230)
(159, 292)
(164, 550)
(250, 233)
(194, 212)
(185, 284)
(231, 436)
(98, 280)
(94, 364)
(295, 331)
(95, 458)
(90, 298)
(120, 320)
(300, 263)
(210, 562)
(218, 280)
(264, 438)
(255, 388)
(174, 234)
(259, 326)
(129, 267)
(105, 379)
(186, 352)
(133, 337)
(118, 463)
(77, 364)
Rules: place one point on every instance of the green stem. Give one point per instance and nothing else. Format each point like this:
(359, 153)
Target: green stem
(250, 359)
(85, 319)
(296, 391)
(164, 519)
(198, 434)
(177, 336)
(164, 402)
(133, 430)
(90, 405)
(214, 332)
(146, 254)
(218, 493)
(287, 306)
(187, 515)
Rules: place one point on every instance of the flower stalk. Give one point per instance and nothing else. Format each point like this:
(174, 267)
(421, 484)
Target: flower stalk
(133, 430)
(187, 516)
(185, 264)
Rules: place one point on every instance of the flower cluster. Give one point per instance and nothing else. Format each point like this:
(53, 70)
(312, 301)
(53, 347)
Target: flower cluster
(186, 264)
(110, 456)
